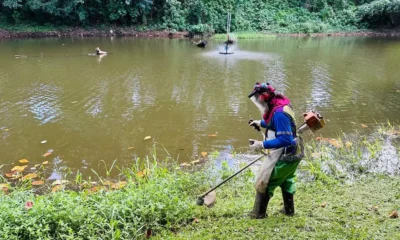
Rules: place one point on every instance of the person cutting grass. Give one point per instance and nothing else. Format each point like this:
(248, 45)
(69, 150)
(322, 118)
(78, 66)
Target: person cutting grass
(286, 150)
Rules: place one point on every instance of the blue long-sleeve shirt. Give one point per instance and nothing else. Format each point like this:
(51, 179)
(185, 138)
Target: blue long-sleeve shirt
(283, 128)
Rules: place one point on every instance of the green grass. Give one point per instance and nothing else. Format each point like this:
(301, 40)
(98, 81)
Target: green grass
(359, 210)
(342, 194)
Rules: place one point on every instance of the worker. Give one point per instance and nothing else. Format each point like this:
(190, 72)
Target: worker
(279, 167)
(99, 52)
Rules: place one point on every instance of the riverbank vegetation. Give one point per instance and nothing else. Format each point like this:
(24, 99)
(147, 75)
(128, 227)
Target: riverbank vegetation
(202, 16)
(348, 189)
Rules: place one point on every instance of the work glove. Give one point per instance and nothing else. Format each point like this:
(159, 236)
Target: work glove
(256, 145)
(256, 124)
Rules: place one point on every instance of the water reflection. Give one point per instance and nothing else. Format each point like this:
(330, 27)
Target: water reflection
(44, 103)
(179, 94)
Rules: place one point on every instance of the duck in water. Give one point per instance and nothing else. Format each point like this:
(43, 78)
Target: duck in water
(99, 52)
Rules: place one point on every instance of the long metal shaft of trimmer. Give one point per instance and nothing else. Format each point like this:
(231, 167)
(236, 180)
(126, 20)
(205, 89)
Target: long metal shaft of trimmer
(232, 176)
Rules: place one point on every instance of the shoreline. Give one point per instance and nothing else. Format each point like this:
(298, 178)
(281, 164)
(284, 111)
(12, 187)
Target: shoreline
(131, 32)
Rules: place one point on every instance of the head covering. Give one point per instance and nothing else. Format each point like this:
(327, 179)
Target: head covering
(264, 92)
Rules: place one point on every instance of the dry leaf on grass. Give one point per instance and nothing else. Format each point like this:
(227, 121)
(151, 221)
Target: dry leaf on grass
(57, 188)
(323, 205)
(204, 154)
(147, 138)
(143, 173)
(37, 183)
(394, 214)
(60, 182)
(45, 162)
(29, 176)
(212, 135)
(4, 188)
(118, 185)
(335, 143)
(18, 168)
(363, 125)
(348, 144)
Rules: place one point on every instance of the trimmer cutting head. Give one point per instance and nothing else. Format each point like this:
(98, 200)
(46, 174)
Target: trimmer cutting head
(207, 200)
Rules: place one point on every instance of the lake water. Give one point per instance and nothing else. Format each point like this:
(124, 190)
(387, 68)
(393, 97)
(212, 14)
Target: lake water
(89, 108)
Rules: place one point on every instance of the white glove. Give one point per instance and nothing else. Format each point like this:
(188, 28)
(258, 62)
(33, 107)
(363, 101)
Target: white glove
(256, 145)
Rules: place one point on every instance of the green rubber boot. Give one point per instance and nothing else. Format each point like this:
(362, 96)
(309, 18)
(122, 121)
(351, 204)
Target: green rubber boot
(288, 203)
(260, 206)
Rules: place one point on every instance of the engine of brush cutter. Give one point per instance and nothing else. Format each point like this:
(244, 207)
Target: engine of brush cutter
(312, 121)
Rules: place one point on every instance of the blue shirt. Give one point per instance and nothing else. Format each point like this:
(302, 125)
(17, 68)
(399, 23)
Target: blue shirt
(284, 135)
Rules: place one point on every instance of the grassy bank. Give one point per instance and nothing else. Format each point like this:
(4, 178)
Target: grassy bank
(348, 189)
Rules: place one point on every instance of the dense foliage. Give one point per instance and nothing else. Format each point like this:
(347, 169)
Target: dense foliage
(206, 15)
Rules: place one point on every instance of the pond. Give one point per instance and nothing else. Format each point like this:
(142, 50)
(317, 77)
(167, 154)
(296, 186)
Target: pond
(189, 100)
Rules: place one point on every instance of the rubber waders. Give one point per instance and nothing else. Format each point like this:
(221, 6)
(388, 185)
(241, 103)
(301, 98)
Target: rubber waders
(288, 203)
(260, 206)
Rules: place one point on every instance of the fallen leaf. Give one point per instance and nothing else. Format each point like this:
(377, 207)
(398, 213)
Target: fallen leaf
(318, 138)
(349, 144)
(195, 162)
(118, 185)
(37, 183)
(147, 138)
(149, 232)
(97, 188)
(143, 173)
(45, 162)
(353, 123)
(335, 143)
(47, 154)
(29, 176)
(185, 165)
(73, 101)
(36, 165)
(196, 220)
(130, 148)
(23, 161)
(4, 187)
(394, 214)
(250, 229)
(363, 125)
(6, 130)
(57, 188)
(375, 208)
(28, 205)
(13, 175)
(18, 168)
(323, 205)
(204, 154)
(212, 135)
(43, 142)
(107, 183)
(60, 182)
